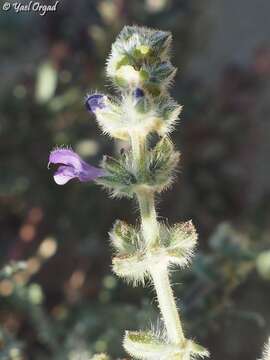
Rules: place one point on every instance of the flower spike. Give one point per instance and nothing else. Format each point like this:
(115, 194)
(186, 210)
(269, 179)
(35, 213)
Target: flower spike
(139, 67)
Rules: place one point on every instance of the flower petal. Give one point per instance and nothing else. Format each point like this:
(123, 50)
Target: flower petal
(66, 157)
(89, 172)
(72, 166)
(94, 102)
(63, 174)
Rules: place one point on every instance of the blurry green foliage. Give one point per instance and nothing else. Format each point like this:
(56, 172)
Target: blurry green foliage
(65, 304)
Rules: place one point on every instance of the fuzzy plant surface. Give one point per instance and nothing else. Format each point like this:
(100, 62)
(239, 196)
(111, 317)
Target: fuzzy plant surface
(266, 351)
(142, 114)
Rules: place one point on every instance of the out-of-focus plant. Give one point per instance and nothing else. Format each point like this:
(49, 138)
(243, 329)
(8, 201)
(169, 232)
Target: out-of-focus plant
(10, 348)
(140, 69)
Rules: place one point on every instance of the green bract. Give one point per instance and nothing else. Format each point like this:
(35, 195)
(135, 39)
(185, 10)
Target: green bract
(134, 261)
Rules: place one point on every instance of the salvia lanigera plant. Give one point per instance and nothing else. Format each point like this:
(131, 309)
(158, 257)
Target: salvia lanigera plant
(140, 69)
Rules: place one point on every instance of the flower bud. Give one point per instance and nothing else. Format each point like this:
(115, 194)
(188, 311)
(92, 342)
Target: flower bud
(126, 75)
(94, 102)
(138, 93)
(142, 52)
(140, 56)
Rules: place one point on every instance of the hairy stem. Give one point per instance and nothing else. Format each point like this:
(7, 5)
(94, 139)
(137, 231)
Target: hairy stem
(138, 145)
(167, 304)
(149, 223)
(150, 230)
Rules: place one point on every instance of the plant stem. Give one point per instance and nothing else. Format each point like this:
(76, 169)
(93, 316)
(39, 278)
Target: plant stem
(150, 230)
(149, 223)
(138, 145)
(145, 197)
(167, 304)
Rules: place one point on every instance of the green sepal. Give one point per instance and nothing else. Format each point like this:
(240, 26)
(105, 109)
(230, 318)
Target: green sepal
(161, 41)
(197, 351)
(123, 60)
(169, 111)
(109, 117)
(159, 76)
(142, 52)
(143, 105)
(126, 33)
(162, 72)
(162, 162)
(179, 242)
(148, 346)
(124, 238)
(133, 268)
(118, 178)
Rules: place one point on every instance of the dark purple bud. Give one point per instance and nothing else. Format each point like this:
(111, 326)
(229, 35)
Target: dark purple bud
(72, 166)
(94, 102)
(138, 93)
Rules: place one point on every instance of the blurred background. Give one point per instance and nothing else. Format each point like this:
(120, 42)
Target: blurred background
(58, 297)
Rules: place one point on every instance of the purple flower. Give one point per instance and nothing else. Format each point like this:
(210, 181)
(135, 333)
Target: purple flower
(138, 93)
(72, 166)
(94, 102)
